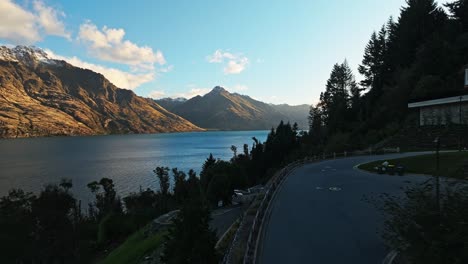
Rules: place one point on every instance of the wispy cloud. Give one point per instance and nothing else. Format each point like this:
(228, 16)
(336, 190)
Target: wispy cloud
(193, 90)
(21, 26)
(50, 20)
(122, 79)
(156, 94)
(234, 63)
(166, 69)
(108, 44)
(29, 23)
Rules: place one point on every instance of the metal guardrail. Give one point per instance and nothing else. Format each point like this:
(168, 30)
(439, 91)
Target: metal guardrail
(254, 236)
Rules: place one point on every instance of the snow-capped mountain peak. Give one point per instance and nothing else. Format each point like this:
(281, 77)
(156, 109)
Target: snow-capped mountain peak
(28, 55)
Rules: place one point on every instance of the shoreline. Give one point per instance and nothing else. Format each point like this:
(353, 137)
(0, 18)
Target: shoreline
(133, 134)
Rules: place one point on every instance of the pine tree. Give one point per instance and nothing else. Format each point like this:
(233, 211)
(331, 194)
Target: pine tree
(315, 119)
(204, 175)
(459, 12)
(180, 185)
(418, 20)
(190, 239)
(163, 176)
(335, 101)
(316, 124)
(373, 63)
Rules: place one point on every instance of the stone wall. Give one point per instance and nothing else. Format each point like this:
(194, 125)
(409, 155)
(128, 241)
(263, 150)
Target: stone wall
(443, 114)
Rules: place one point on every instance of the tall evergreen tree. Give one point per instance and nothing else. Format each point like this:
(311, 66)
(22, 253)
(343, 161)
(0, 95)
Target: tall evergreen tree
(459, 12)
(373, 63)
(204, 175)
(418, 20)
(163, 176)
(190, 239)
(335, 100)
(180, 185)
(315, 123)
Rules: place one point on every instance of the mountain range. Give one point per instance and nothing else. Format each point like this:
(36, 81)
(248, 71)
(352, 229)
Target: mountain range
(220, 109)
(41, 97)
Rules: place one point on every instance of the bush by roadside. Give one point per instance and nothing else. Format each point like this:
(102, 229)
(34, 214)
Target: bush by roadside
(425, 230)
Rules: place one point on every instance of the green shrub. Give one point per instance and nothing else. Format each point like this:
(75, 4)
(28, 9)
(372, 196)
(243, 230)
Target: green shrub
(339, 142)
(424, 233)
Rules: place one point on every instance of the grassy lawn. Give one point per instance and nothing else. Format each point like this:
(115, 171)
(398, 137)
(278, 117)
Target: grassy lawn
(451, 164)
(134, 249)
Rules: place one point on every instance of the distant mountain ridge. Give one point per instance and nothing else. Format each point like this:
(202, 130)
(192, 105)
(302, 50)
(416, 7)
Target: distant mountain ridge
(170, 103)
(40, 96)
(222, 110)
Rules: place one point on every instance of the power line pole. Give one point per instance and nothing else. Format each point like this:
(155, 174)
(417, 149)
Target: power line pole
(437, 179)
(460, 125)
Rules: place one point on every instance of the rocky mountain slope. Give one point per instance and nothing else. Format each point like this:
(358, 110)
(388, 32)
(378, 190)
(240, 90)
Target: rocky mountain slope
(295, 113)
(41, 97)
(222, 110)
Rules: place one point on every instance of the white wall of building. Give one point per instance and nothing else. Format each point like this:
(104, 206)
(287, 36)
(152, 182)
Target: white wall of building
(443, 114)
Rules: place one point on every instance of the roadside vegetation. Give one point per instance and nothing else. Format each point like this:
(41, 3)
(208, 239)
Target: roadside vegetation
(135, 248)
(52, 226)
(419, 55)
(425, 229)
(451, 164)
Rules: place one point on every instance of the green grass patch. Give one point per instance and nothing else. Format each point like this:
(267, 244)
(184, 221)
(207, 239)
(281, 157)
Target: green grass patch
(134, 249)
(451, 164)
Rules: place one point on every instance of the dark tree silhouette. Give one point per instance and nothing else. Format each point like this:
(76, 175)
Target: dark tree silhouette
(190, 240)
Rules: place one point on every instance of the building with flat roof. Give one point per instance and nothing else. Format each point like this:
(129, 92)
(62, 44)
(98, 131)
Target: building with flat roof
(442, 111)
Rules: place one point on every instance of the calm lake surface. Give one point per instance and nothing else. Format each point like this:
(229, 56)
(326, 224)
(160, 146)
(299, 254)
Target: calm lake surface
(127, 159)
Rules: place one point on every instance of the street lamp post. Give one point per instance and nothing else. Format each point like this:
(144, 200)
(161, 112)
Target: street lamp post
(460, 125)
(437, 179)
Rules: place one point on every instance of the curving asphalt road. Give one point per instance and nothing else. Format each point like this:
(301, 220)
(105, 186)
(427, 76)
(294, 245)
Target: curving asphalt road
(222, 219)
(311, 223)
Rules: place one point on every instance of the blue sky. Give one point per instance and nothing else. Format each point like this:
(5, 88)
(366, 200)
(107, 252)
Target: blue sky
(275, 51)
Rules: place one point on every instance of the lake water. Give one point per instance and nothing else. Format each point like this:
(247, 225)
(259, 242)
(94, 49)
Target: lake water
(127, 159)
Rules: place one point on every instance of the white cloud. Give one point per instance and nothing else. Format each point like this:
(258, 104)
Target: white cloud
(236, 66)
(166, 69)
(108, 44)
(48, 19)
(156, 94)
(20, 26)
(16, 24)
(219, 56)
(118, 77)
(194, 91)
(236, 63)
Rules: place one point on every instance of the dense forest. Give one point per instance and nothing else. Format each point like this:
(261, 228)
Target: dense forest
(421, 55)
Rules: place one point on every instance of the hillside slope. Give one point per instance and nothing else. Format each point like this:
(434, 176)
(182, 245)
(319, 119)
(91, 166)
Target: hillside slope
(222, 110)
(42, 97)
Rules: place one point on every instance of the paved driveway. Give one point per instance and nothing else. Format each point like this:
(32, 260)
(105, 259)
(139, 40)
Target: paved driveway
(311, 223)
